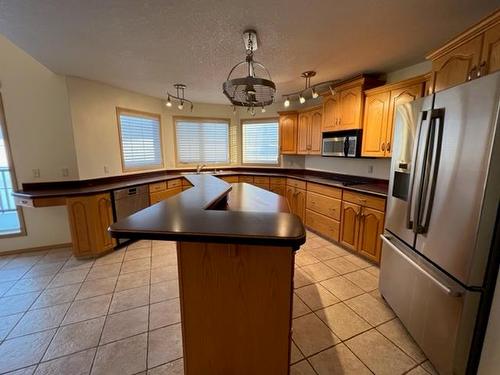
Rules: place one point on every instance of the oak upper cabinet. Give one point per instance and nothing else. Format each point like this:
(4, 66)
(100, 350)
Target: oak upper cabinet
(331, 113)
(472, 54)
(288, 132)
(89, 219)
(380, 110)
(350, 108)
(375, 124)
(303, 130)
(309, 132)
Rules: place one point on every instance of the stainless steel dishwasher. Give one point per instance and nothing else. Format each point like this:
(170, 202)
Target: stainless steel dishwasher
(130, 200)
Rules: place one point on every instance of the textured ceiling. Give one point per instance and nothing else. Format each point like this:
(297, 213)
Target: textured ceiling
(146, 46)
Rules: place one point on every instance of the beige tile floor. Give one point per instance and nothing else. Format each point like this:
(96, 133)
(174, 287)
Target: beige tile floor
(120, 314)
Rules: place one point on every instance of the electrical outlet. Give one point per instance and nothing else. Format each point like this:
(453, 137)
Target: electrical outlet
(106, 169)
(36, 173)
(65, 172)
(370, 169)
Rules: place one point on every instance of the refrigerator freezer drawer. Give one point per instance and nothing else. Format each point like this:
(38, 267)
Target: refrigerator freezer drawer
(435, 310)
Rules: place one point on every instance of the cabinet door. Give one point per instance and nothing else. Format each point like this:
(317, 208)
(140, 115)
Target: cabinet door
(315, 133)
(400, 96)
(103, 219)
(300, 203)
(375, 124)
(290, 197)
(371, 227)
(350, 108)
(79, 222)
(490, 59)
(288, 134)
(278, 189)
(331, 113)
(303, 133)
(349, 225)
(455, 67)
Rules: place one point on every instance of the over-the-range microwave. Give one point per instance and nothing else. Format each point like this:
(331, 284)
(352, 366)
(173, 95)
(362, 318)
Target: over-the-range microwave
(344, 144)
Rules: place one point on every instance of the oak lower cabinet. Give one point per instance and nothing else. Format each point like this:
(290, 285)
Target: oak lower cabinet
(297, 201)
(278, 185)
(230, 179)
(89, 219)
(471, 55)
(362, 223)
(166, 189)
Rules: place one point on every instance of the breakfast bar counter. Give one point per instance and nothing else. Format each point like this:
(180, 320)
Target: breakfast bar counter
(235, 249)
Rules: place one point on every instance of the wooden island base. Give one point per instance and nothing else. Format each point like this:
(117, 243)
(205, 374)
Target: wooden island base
(236, 307)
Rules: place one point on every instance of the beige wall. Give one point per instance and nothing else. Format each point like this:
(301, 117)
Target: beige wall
(39, 126)
(93, 111)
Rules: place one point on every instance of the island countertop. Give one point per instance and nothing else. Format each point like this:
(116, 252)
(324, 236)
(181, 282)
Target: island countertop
(213, 211)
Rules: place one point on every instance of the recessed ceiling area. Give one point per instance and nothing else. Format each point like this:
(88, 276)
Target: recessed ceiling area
(147, 46)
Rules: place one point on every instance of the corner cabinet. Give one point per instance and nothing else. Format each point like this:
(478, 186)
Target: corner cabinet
(380, 106)
(471, 55)
(89, 219)
(288, 132)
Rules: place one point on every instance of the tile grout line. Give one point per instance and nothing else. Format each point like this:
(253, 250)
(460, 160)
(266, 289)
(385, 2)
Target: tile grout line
(149, 308)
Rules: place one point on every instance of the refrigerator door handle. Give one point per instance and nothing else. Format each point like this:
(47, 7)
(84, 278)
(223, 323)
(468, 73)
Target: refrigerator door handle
(412, 209)
(447, 290)
(433, 151)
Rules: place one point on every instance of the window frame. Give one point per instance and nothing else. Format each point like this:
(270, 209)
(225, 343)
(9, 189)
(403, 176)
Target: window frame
(178, 164)
(10, 161)
(157, 116)
(257, 120)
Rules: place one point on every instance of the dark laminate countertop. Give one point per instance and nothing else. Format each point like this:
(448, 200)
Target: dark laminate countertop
(200, 214)
(69, 188)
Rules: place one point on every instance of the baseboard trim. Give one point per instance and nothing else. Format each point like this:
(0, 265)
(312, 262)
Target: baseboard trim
(33, 249)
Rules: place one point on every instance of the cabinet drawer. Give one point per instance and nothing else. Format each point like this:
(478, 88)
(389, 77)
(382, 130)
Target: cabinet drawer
(174, 183)
(261, 180)
(296, 183)
(329, 191)
(277, 181)
(158, 186)
(278, 189)
(161, 195)
(324, 225)
(324, 205)
(246, 179)
(230, 179)
(262, 186)
(364, 200)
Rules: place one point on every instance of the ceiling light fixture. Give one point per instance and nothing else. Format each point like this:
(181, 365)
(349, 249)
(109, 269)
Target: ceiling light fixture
(287, 102)
(302, 100)
(253, 90)
(302, 94)
(179, 97)
(263, 110)
(314, 93)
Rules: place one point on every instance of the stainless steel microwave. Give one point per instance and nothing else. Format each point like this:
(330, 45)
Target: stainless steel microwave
(343, 144)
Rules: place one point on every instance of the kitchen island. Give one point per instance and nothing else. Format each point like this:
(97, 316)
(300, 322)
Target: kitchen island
(235, 250)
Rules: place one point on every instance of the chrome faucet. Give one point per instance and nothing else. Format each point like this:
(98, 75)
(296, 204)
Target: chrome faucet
(199, 168)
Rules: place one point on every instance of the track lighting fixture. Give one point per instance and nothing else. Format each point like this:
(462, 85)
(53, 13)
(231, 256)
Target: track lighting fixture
(287, 102)
(314, 93)
(301, 95)
(169, 102)
(179, 97)
(302, 100)
(263, 110)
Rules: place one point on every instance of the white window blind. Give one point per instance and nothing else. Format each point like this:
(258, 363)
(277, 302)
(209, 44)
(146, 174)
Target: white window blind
(202, 141)
(140, 140)
(260, 142)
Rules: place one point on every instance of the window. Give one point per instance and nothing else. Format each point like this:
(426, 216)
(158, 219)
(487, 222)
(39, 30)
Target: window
(11, 220)
(140, 139)
(202, 141)
(260, 142)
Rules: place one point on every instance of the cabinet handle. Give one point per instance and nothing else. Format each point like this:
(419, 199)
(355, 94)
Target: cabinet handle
(383, 146)
(472, 73)
(388, 146)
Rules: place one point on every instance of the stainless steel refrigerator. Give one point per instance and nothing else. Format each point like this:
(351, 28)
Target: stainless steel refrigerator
(440, 249)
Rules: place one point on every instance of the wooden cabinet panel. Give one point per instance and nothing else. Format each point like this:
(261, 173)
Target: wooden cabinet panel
(262, 186)
(278, 189)
(296, 183)
(261, 180)
(329, 191)
(158, 186)
(296, 200)
(371, 227)
(288, 133)
(303, 130)
(89, 218)
(364, 200)
(315, 141)
(490, 57)
(162, 195)
(400, 96)
(323, 225)
(230, 179)
(349, 225)
(174, 183)
(248, 179)
(375, 124)
(350, 108)
(324, 205)
(457, 66)
(277, 180)
(331, 113)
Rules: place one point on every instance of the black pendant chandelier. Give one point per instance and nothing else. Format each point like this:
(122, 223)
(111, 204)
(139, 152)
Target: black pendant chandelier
(252, 91)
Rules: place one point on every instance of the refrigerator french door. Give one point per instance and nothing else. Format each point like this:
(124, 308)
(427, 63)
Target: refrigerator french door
(442, 208)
